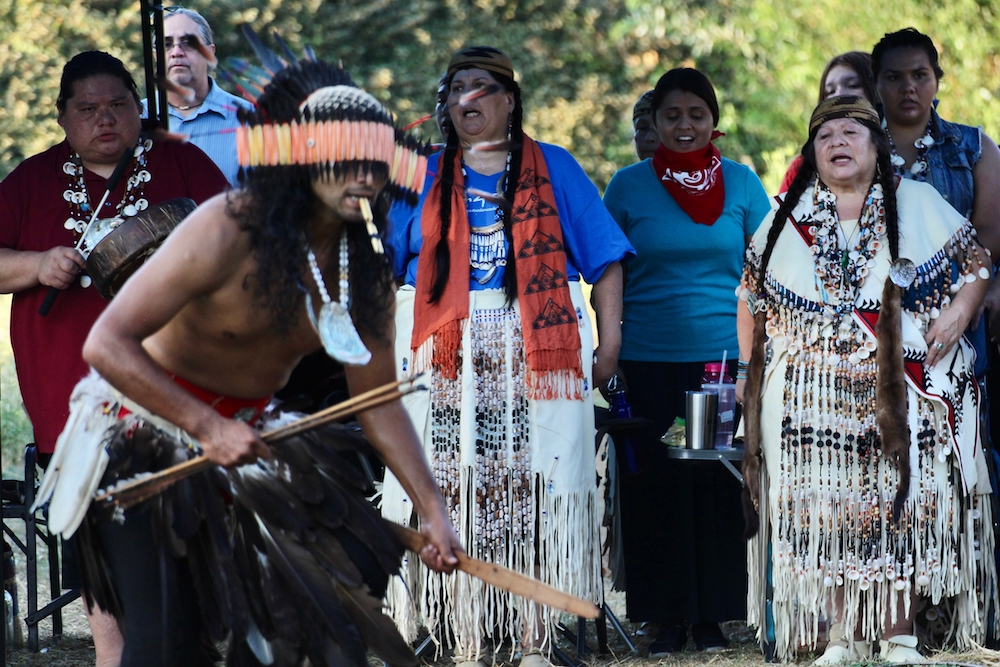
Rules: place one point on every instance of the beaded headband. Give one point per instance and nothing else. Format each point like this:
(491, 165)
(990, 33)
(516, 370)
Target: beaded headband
(327, 124)
(842, 106)
(340, 124)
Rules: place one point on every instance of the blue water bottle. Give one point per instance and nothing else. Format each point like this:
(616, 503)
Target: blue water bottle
(620, 408)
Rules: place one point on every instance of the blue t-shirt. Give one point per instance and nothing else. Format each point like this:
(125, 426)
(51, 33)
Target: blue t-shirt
(680, 293)
(592, 239)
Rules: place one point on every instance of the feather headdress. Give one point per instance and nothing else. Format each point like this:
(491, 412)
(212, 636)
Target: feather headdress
(310, 114)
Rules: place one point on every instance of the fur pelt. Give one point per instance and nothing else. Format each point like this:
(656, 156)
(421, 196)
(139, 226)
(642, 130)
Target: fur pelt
(890, 391)
(751, 413)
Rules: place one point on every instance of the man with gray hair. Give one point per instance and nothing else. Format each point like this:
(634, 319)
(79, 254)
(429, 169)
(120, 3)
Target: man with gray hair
(212, 111)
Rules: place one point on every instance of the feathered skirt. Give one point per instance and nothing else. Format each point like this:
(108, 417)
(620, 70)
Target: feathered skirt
(285, 553)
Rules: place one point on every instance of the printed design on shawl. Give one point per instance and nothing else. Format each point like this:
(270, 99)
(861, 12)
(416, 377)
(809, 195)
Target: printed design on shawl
(535, 207)
(546, 279)
(540, 243)
(531, 179)
(554, 315)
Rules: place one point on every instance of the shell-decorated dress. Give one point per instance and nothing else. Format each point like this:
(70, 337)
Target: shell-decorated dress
(827, 534)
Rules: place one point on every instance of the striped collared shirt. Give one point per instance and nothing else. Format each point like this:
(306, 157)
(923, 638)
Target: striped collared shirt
(206, 124)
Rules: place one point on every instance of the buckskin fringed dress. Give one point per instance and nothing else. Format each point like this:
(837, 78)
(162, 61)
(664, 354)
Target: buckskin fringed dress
(826, 493)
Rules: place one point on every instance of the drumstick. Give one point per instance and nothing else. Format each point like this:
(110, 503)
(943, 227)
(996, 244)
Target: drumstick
(134, 491)
(116, 176)
(504, 578)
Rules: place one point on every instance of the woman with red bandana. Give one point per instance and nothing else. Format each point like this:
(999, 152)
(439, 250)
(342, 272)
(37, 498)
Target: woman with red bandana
(688, 212)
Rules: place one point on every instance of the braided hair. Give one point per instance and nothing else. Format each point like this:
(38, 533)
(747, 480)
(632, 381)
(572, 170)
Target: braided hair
(890, 396)
(442, 252)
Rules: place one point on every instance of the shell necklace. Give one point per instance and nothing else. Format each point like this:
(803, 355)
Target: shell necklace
(77, 197)
(918, 170)
(335, 327)
(840, 272)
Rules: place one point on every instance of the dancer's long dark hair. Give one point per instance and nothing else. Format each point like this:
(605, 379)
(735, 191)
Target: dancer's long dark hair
(890, 395)
(442, 252)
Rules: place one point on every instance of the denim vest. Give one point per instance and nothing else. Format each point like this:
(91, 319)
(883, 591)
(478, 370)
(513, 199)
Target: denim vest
(950, 160)
(956, 150)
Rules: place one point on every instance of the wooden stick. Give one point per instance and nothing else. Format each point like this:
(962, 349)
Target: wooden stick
(504, 578)
(134, 491)
(380, 395)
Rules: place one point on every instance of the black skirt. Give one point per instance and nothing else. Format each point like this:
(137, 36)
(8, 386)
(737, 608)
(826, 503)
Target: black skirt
(682, 522)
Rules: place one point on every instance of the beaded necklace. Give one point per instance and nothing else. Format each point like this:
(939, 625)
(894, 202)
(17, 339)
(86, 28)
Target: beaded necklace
(335, 327)
(919, 167)
(78, 198)
(488, 244)
(840, 272)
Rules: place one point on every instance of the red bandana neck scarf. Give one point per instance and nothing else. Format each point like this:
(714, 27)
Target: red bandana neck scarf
(552, 346)
(694, 180)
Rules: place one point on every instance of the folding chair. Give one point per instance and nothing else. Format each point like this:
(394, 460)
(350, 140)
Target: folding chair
(18, 497)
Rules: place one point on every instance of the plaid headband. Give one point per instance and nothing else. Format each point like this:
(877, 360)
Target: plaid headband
(843, 106)
(481, 57)
(644, 105)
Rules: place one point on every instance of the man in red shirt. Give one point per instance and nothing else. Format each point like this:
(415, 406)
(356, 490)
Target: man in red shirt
(44, 205)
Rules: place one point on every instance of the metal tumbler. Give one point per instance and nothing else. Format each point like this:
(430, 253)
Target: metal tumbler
(702, 411)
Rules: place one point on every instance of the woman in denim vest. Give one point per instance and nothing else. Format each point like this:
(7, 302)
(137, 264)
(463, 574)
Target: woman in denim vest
(960, 161)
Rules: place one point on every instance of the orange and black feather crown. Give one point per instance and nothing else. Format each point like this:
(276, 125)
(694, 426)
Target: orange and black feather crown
(310, 114)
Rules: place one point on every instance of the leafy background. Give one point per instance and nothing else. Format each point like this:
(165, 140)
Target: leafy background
(581, 63)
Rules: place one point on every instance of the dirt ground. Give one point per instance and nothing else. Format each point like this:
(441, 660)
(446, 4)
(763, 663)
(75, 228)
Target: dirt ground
(75, 648)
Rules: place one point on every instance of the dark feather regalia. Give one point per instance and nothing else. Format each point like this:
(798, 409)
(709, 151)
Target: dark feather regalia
(286, 553)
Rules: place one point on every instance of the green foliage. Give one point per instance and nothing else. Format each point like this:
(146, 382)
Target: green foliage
(581, 63)
(15, 429)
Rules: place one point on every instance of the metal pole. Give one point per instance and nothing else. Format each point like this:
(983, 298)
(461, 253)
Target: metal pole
(161, 65)
(147, 59)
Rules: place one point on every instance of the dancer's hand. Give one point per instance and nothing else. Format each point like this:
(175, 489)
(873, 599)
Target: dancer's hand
(439, 553)
(229, 443)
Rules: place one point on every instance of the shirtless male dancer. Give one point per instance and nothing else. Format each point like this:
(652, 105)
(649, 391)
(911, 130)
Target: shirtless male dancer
(219, 313)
